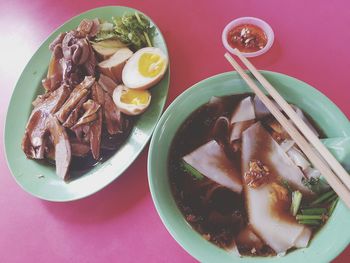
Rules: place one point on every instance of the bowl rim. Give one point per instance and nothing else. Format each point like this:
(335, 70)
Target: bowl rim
(249, 20)
(165, 215)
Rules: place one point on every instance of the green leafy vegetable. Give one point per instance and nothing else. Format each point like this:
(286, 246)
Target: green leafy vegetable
(287, 186)
(316, 185)
(296, 200)
(192, 171)
(332, 206)
(132, 29)
(324, 198)
(309, 217)
(313, 211)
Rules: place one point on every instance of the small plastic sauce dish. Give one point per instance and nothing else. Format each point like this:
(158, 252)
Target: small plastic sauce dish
(252, 36)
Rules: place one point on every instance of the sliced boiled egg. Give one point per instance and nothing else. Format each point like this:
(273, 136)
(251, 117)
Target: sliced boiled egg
(145, 68)
(131, 101)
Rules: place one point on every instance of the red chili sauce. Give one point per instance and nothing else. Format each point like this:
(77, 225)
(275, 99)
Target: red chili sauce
(247, 38)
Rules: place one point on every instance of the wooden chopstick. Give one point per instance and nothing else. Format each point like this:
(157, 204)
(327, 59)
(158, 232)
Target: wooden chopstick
(309, 135)
(333, 180)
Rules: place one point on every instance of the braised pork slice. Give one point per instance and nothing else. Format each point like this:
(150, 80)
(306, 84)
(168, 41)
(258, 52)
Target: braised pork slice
(79, 92)
(107, 84)
(95, 135)
(33, 143)
(113, 116)
(90, 108)
(78, 148)
(54, 75)
(89, 28)
(97, 95)
(74, 115)
(60, 141)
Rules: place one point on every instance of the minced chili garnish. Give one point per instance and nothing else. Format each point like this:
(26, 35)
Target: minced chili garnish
(247, 38)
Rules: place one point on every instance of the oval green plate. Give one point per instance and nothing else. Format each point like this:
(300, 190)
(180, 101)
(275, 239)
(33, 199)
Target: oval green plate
(39, 179)
(327, 243)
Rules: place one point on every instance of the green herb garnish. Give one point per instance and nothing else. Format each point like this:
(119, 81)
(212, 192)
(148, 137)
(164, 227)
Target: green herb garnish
(313, 211)
(332, 206)
(192, 171)
(296, 200)
(324, 198)
(309, 217)
(316, 185)
(134, 30)
(286, 185)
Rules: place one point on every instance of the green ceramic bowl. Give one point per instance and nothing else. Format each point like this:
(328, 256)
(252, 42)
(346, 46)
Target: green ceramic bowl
(39, 179)
(327, 243)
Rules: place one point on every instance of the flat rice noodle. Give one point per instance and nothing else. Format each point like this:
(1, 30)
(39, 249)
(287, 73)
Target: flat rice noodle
(238, 128)
(244, 111)
(211, 161)
(268, 205)
(260, 109)
(298, 158)
(258, 144)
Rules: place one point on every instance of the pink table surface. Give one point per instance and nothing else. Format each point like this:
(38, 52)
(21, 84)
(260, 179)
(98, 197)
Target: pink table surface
(120, 223)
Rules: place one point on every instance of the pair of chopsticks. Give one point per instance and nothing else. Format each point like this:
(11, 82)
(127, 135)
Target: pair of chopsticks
(323, 160)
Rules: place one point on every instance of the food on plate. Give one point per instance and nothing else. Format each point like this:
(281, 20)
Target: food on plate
(87, 112)
(135, 30)
(243, 183)
(113, 66)
(247, 38)
(131, 101)
(145, 68)
(106, 48)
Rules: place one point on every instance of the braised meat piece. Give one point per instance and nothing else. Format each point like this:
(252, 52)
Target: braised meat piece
(89, 28)
(74, 115)
(78, 148)
(95, 135)
(60, 141)
(107, 84)
(33, 143)
(79, 92)
(90, 113)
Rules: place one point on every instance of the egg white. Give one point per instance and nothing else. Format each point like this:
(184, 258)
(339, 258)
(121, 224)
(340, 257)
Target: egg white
(128, 109)
(131, 76)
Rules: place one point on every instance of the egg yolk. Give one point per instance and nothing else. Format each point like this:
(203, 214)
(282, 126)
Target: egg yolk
(135, 97)
(150, 65)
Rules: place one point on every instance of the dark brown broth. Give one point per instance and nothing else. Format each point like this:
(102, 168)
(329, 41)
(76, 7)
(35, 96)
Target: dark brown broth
(109, 146)
(215, 218)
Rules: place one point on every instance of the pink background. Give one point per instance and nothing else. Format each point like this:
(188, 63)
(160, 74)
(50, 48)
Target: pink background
(120, 223)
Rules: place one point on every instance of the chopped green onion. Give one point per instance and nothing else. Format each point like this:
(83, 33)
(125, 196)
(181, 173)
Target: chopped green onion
(286, 185)
(332, 198)
(332, 207)
(310, 222)
(296, 200)
(309, 217)
(313, 211)
(323, 198)
(189, 169)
